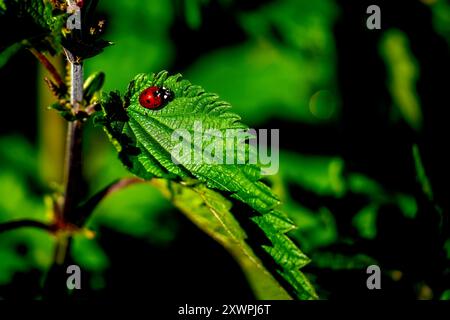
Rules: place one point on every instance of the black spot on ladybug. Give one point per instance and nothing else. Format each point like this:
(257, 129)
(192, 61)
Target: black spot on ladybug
(155, 97)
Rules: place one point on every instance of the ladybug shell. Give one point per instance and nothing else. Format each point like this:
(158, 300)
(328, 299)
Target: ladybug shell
(150, 98)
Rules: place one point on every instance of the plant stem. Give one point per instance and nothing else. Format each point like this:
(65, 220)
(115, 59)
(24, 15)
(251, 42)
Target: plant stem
(55, 284)
(86, 209)
(11, 225)
(73, 179)
(73, 171)
(49, 66)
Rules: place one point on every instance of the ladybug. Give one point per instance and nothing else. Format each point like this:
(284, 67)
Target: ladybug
(155, 97)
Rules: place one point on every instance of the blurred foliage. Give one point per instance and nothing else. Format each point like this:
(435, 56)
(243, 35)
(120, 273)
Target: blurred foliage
(126, 211)
(322, 175)
(289, 43)
(139, 210)
(337, 261)
(421, 174)
(441, 17)
(140, 31)
(403, 74)
(24, 249)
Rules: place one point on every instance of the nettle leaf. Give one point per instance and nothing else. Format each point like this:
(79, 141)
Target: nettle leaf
(144, 140)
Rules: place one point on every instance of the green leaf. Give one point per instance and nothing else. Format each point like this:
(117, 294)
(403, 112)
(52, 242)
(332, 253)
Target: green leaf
(144, 141)
(92, 85)
(6, 54)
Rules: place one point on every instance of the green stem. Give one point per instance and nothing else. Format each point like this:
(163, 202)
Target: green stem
(73, 171)
(55, 284)
(12, 225)
(86, 209)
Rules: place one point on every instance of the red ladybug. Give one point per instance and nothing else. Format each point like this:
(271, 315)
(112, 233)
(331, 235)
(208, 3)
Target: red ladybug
(155, 97)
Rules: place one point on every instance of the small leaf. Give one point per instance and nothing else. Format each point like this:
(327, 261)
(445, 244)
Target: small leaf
(6, 54)
(92, 85)
(64, 110)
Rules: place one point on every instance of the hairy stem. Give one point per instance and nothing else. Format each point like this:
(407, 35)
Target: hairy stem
(73, 169)
(55, 284)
